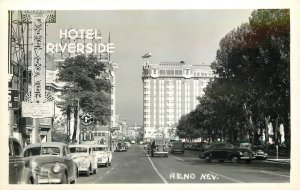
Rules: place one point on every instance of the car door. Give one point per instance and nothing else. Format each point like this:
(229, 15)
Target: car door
(218, 152)
(12, 165)
(92, 158)
(70, 162)
(67, 160)
(19, 162)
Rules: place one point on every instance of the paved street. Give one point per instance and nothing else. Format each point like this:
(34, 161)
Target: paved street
(135, 166)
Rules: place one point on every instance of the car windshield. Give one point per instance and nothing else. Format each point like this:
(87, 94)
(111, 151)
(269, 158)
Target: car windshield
(32, 151)
(35, 151)
(158, 142)
(78, 149)
(99, 148)
(50, 151)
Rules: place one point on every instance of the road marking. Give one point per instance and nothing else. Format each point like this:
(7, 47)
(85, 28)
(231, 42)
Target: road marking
(99, 178)
(165, 181)
(177, 158)
(229, 178)
(274, 173)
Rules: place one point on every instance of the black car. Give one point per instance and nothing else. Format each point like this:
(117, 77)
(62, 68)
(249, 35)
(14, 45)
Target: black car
(226, 152)
(178, 147)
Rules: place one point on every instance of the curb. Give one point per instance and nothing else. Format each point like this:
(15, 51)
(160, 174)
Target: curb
(285, 161)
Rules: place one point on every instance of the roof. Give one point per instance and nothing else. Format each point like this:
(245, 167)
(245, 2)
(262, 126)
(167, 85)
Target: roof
(79, 145)
(99, 145)
(46, 144)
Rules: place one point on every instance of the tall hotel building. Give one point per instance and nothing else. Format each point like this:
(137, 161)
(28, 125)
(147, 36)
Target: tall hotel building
(170, 90)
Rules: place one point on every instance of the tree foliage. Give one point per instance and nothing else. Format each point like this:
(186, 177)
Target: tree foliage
(252, 83)
(83, 82)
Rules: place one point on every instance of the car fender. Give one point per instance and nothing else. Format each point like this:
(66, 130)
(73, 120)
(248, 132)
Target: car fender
(26, 176)
(233, 154)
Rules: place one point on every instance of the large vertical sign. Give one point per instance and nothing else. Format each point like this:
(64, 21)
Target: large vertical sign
(38, 106)
(38, 59)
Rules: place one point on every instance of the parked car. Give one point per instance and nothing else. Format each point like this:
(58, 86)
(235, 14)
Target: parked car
(132, 141)
(127, 144)
(260, 154)
(121, 147)
(159, 148)
(18, 173)
(195, 146)
(85, 158)
(226, 151)
(50, 162)
(201, 146)
(177, 147)
(103, 155)
(187, 145)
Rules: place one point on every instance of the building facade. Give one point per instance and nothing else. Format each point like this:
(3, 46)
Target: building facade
(170, 90)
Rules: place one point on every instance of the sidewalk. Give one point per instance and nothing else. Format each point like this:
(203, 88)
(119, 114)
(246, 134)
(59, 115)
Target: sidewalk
(280, 159)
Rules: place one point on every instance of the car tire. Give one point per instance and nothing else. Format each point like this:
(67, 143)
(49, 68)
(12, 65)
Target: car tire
(234, 159)
(30, 181)
(207, 159)
(77, 172)
(248, 161)
(64, 179)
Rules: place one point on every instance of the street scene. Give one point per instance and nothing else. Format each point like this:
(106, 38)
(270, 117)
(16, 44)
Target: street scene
(136, 166)
(149, 96)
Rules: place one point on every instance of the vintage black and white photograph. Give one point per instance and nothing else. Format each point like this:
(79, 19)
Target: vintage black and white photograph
(149, 96)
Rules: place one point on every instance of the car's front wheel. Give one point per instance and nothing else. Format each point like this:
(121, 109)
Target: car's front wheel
(207, 158)
(64, 179)
(30, 180)
(235, 159)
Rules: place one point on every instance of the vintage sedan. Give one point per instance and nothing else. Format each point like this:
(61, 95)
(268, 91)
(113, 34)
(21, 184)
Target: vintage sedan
(51, 162)
(226, 151)
(85, 158)
(259, 154)
(103, 155)
(121, 147)
(18, 173)
(178, 147)
(159, 148)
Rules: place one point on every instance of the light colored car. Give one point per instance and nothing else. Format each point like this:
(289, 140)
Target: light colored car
(120, 147)
(18, 173)
(85, 158)
(103, 155)
(127, 144)
(50, 162)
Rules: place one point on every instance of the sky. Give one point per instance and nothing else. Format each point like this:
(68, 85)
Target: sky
(191, 36)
